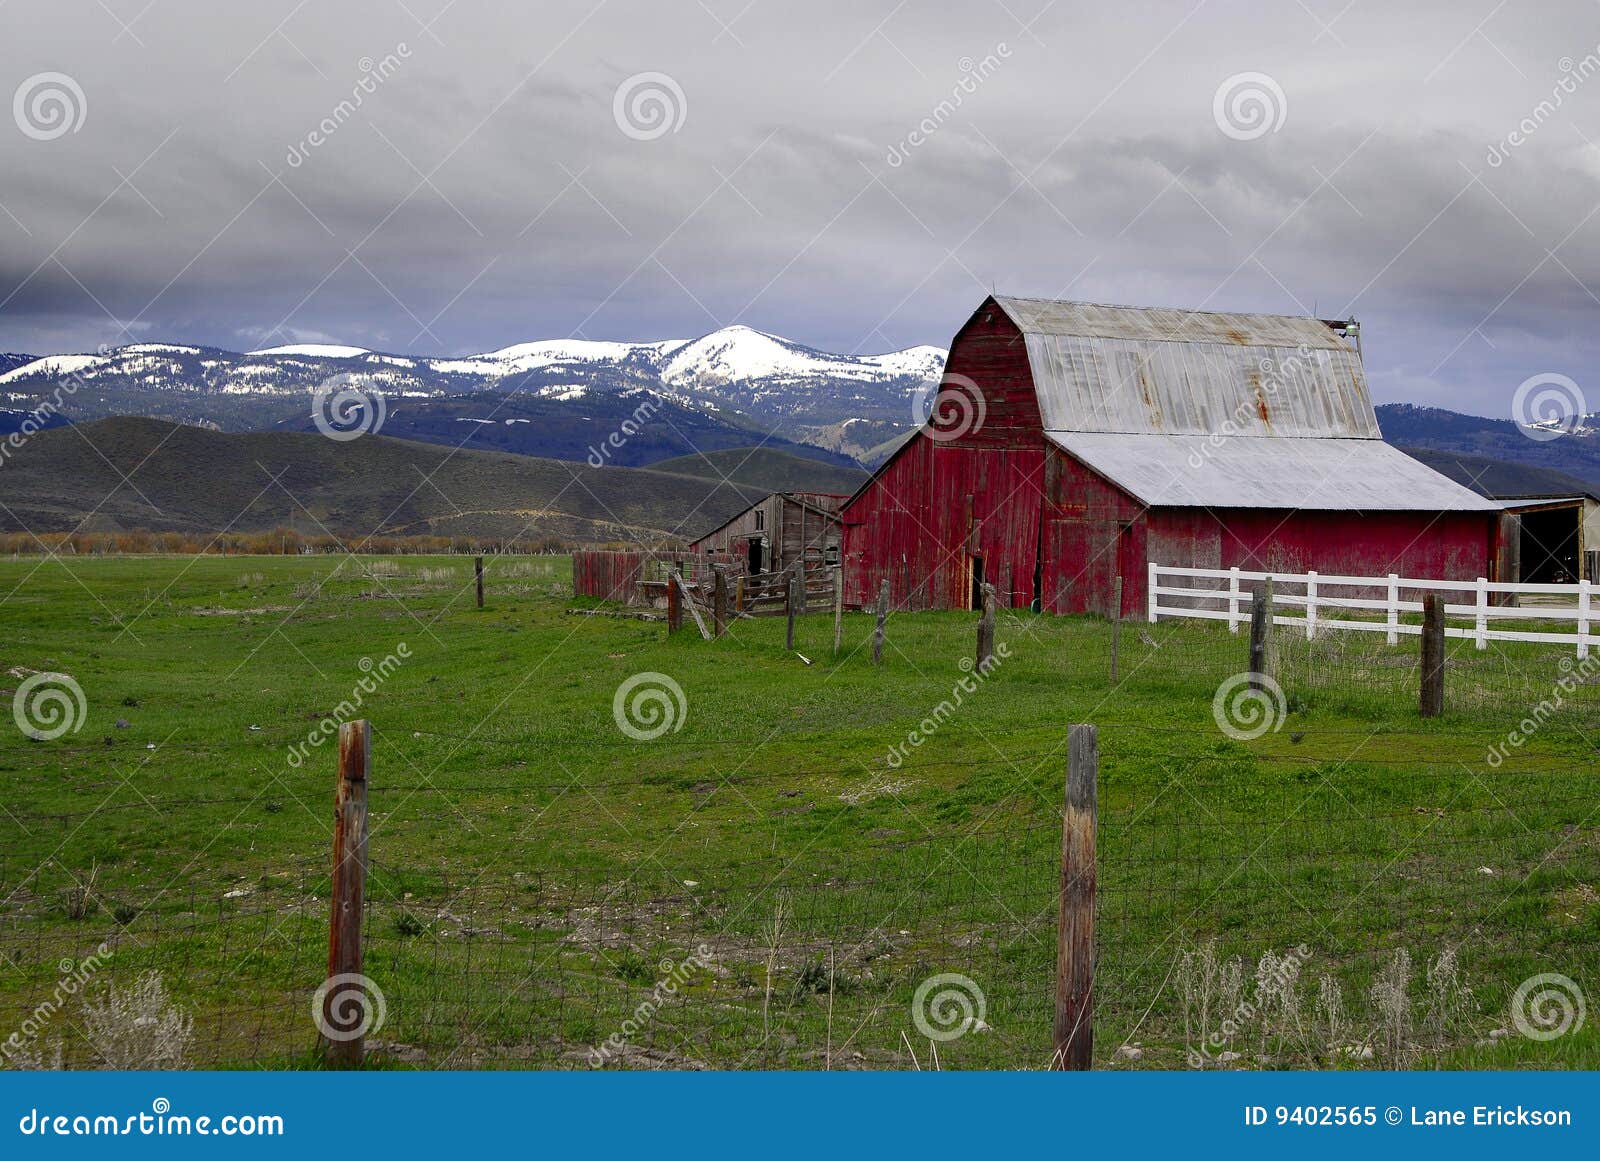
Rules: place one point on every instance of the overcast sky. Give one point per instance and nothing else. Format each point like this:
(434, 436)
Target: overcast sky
(492, 188)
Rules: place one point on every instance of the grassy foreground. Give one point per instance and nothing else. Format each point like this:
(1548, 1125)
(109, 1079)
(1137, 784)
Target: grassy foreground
(538, 874)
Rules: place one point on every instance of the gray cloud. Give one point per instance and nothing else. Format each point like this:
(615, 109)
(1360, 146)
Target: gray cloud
(483, 194)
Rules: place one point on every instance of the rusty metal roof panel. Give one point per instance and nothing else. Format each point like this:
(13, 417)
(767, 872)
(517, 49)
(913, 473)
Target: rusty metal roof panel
(1364, 475)
(1138, 386)
(1090, 320)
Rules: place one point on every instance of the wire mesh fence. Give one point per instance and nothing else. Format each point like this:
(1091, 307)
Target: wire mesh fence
(1320, 880)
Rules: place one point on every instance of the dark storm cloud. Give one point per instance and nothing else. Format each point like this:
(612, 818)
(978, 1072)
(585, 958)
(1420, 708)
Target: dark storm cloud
(854, 176)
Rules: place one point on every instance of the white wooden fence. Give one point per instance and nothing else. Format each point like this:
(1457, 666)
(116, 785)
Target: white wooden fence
(1348, 602)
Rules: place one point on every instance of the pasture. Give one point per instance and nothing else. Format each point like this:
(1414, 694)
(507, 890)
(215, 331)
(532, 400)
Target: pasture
(537, 873)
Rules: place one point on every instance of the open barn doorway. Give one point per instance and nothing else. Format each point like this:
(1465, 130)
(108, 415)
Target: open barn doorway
(755, 562)
(976, 601)
(1550, 543)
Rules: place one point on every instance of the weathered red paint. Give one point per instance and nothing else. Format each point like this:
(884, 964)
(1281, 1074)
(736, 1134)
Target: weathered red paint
(1061, 534)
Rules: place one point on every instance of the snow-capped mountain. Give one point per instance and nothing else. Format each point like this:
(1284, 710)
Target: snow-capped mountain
(744, 375)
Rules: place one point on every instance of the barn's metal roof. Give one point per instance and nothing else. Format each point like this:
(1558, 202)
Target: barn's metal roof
(1253, 472)
(1173, 372)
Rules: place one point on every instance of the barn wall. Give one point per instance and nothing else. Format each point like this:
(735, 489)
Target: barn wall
(930, 511)
(990, 352)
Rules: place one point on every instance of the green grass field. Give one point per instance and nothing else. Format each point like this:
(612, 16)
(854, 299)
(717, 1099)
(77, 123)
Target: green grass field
(533, 865)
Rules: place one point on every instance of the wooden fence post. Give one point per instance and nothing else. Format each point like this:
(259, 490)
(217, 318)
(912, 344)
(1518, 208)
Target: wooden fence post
(674, 607)
(1432, 699)
(1075, 950)
(838, 607)
(788, 607)
(477, 567)
(1260, 618)
(738, 593)
(883, 615)
(349, 888)
(986, 630)
(719, 599)
(1116, 625)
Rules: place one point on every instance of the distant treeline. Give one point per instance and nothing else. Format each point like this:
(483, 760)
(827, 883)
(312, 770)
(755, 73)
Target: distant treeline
(278, 542)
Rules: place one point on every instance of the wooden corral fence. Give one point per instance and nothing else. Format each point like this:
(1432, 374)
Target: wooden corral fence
(640, 577)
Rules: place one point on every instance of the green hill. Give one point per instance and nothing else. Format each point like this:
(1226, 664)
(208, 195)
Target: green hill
(129, 473)
(765, 469)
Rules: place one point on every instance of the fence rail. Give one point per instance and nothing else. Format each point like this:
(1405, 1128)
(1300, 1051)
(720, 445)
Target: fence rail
(1312, 606)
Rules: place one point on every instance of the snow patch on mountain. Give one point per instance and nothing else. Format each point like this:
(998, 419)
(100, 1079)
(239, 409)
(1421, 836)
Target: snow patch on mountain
(315, 351)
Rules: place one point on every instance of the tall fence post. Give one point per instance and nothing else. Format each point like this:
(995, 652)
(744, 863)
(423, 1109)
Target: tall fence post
(986, 629)
(348, 893)
(838, 607)
(1151, 604)
(1481, 622)
(788, 607)
(674, 606)
(1432, 700)
(1116, 625)
(1233, 599)
(1583, 618)
(477, 568)
(1311, 605)
(1260, 619)
(1394, 608)
(1075, 952)
(883, 615)
(719, 599)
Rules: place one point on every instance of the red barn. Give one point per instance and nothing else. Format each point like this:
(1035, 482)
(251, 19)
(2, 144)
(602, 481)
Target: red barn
(1072, 443)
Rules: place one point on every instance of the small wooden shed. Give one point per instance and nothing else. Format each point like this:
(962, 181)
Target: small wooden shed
(775, 532)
